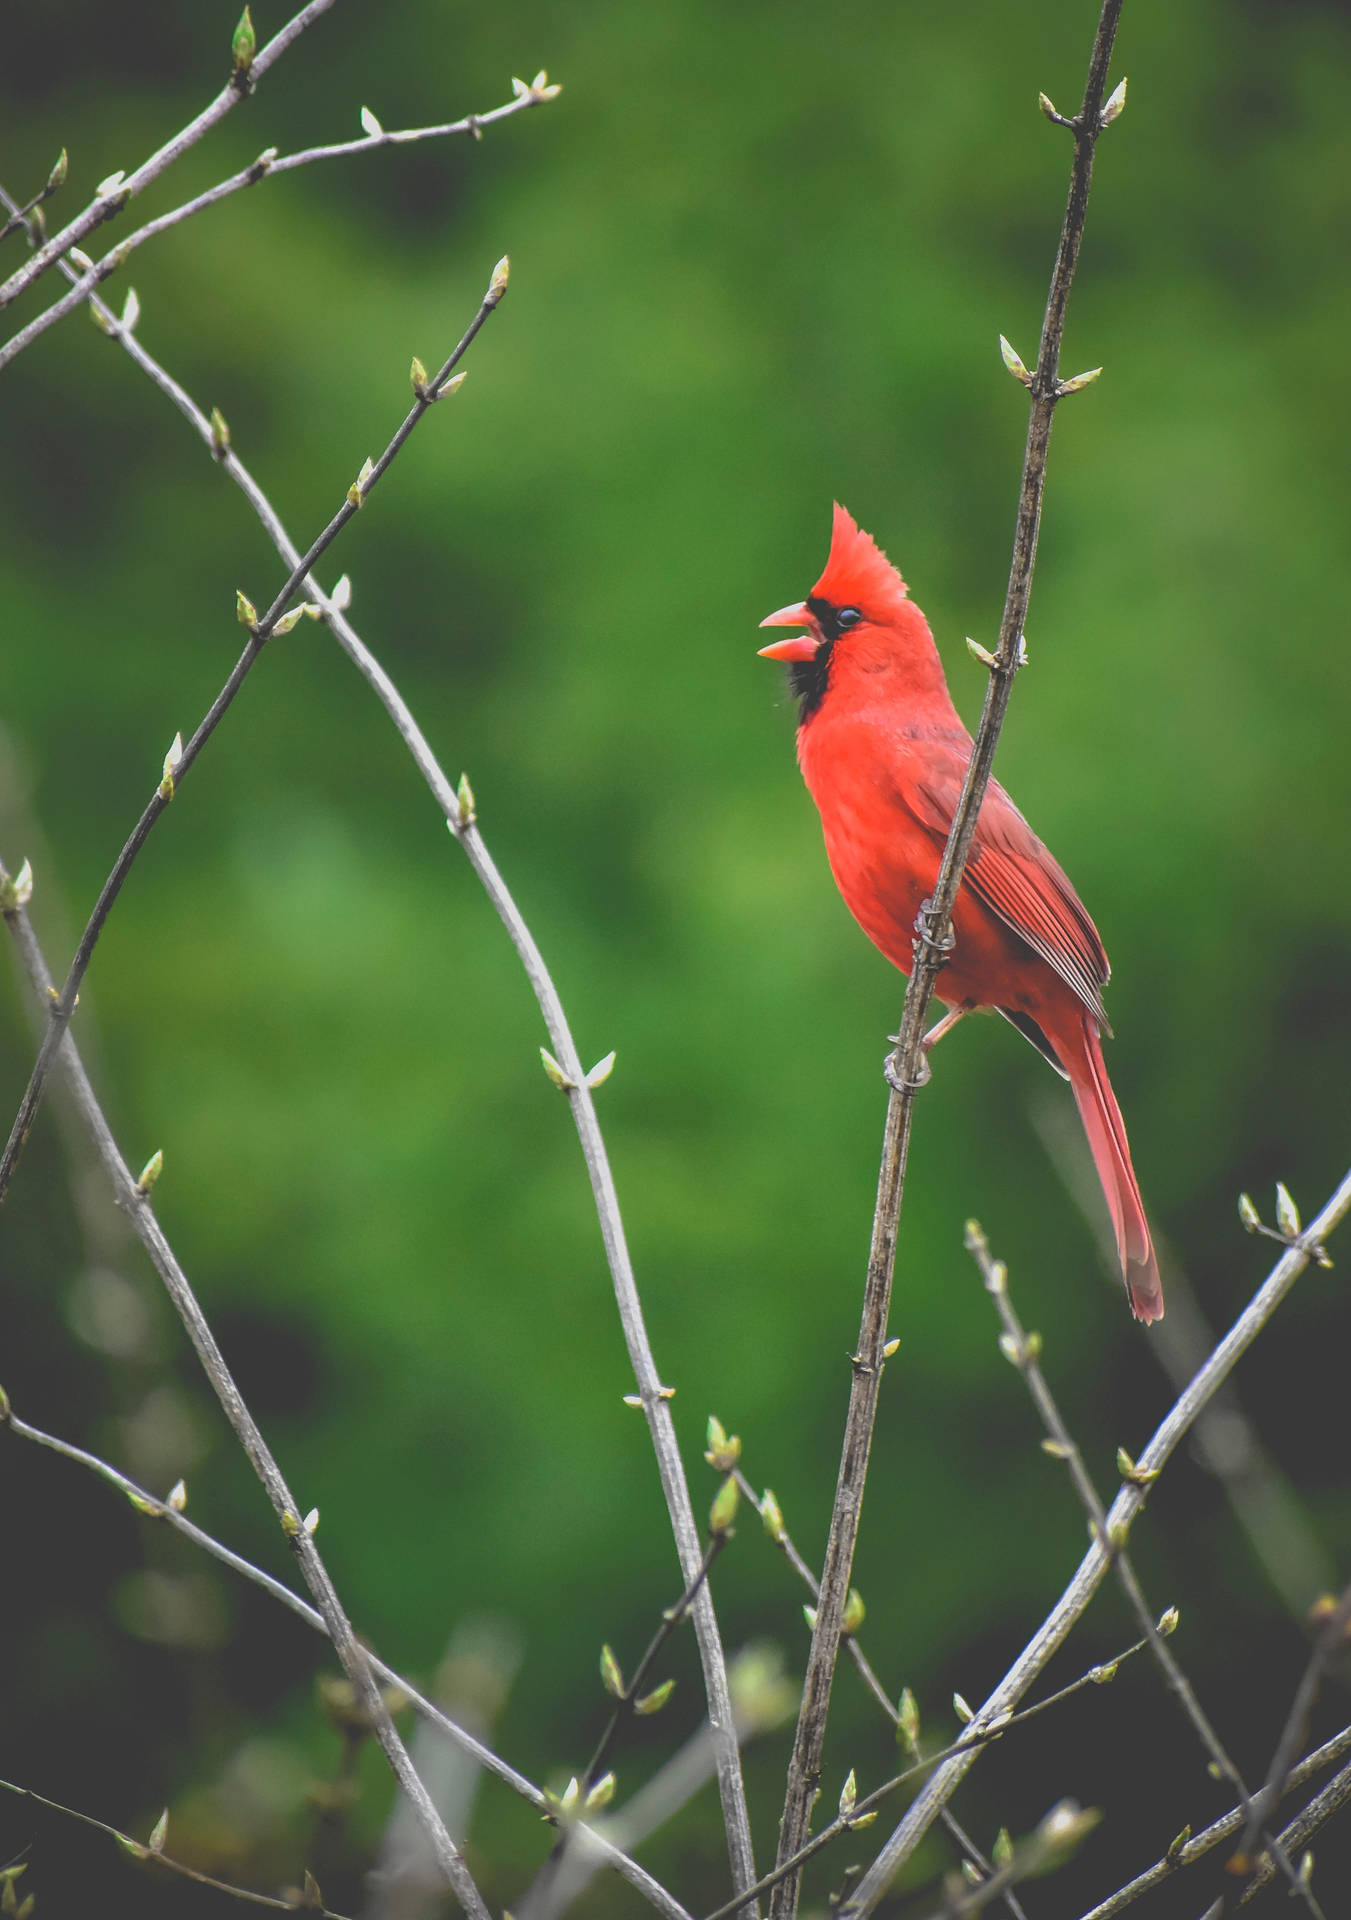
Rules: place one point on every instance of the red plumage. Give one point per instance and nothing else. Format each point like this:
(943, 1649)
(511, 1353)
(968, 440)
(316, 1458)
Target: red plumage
(884, 753)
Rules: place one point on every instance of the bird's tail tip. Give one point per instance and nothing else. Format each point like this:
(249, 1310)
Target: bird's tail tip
(1143, 1290)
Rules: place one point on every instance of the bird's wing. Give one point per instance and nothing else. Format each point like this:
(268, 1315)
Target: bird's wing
(1013, 874)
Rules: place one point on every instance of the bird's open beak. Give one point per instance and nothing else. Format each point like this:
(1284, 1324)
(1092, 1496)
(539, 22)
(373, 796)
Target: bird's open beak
(802, 646)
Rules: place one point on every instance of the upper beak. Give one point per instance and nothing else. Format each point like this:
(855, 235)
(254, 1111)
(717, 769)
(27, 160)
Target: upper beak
(802, 646)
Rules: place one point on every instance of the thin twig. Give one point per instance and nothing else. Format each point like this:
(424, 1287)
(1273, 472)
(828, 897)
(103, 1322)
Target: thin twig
(260, 631)
(1194, 1848)
(105, 206)
(139, 1851)
(653, 1395)
(930, 951)
(1022, 1349)
(267, 164)
(783, 1540)
(355, 1664)
(1332, 1799)
(1332, 1620)
(146, 1503)
(971, 1740)
(1088, 1576)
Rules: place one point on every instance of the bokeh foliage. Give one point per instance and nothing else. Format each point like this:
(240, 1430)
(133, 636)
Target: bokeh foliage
(760, 257)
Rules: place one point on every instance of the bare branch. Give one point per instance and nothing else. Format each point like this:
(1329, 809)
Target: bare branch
(260, 631)
(1195, 1848)
(267, 164)
(103, 206)
(147, 1503)
(1089, 1574)
(652, 1394)
(133, 1197)
(147, 1853)
(1022, 1349)
(930, 951)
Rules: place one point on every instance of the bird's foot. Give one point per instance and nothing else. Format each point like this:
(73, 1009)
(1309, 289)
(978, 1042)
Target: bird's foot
(894, 1075)
(927, 931)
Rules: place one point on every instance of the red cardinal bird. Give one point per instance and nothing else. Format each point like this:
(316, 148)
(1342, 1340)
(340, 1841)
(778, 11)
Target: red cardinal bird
(884, 754)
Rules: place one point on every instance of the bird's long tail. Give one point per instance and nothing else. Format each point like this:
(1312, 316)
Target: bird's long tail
(1112, 1156)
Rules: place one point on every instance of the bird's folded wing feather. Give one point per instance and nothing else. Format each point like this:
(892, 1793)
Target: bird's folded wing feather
(1013, 874)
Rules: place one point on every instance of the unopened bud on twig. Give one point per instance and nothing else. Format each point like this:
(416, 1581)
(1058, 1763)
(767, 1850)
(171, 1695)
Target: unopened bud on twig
(1058, 1449)
(772, 1515)
(464, 797)
(244, 44)
(725, 1502)
(497, 286)
(178, 1496)
(601, 1072)
(417, 373)
(557, 1076)
(892, 1346)
(1013, 363)
(1177, 1845)
(610, 1674)
(848, 1794)
(1287, 1213)
(220, 433)
(370, 125)
(907, 1720)
(151, 1172)
(1248, 1214)
(57, 177)
(341, 597)
(131, 311)
(1066, 1825)
(288, 620)
(1077, 382)
(17, 890)
(159, 1833)
(356, 493)
(965, 1713)
(654, 1702)
(1167, 1622)
(311, 1521)
(854, 1612)
(724, 1449)
(980, 653)
(601, 1794)
(80, 259)
(1115, 105)
(447, 387)
(245, 611)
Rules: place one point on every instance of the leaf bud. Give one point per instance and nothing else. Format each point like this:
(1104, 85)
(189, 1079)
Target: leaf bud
(57, 177)
(601, 1794)
(464, 795)
(601, 1072)
(1115, 105)
(1001, 1853)
(980, 653)
(497, 286)
(131, 311)
(245, 611)
(341, 597)
(1168, 1622)
(150, 1172)
(1287, 1213)
(849, 1794)
(244, 43)
(1013, 363)
(447, 387)
(417, 373)
(159, 1833)
(907, 1720)
(370, 125)
(965, 1713)
(1078, 381)
(654, 1702)
(220, 433)
(723, 1511)
(610, 1674)
(1177, 1845)
(724, 1449)
(556, 1074)
(772, 1515)
(178, 1496)
(854, 1612)
(288, 620)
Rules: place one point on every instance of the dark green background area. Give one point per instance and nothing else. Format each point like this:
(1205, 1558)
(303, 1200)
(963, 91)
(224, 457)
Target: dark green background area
(760, 258)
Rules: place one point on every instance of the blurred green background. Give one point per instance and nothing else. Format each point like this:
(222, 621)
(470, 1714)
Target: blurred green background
(760, 257)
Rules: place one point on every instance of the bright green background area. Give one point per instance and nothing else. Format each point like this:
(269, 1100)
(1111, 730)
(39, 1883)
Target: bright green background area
(760, 257)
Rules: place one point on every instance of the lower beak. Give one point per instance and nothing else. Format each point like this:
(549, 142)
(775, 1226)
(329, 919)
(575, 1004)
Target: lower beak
(802, 646)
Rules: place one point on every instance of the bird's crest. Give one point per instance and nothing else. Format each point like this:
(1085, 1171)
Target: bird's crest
(858, 573)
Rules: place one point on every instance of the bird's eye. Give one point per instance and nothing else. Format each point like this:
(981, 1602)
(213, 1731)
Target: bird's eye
(847, 617)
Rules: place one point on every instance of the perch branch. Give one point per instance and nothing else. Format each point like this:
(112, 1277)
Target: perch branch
(930, 950)
(1089, 1574)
